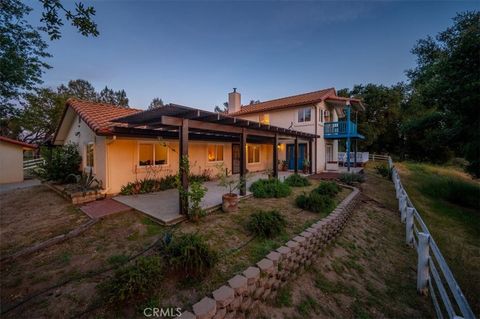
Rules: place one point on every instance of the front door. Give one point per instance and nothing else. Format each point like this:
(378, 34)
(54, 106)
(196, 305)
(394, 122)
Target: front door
(302, 150)
(235, 158)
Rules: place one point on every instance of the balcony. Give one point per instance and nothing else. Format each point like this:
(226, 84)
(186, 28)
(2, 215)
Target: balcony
(338, 130)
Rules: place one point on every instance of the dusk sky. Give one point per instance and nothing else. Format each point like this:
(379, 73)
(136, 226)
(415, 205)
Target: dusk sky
(194, 53)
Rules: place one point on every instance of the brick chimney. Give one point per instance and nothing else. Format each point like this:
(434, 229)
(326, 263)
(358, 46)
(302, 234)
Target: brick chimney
(234, 101)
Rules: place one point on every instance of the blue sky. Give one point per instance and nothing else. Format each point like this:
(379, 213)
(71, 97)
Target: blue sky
(193, 53)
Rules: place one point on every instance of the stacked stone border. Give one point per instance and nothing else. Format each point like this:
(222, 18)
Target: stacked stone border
(260, 283)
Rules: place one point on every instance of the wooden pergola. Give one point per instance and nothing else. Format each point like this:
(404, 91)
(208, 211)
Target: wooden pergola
(186, 123)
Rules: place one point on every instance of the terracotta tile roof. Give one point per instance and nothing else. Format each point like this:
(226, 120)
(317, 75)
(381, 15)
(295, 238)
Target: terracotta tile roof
(289, 101)
(16, 142)
(98, 115)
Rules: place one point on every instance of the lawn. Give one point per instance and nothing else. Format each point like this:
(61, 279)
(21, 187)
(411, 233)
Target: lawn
(452, 216)
(111, 241)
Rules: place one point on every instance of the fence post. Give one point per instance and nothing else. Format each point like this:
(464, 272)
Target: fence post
(409, 227)
(423, 272)
(374, 157)
(402, 204)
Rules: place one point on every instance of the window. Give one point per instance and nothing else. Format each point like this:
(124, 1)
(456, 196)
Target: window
(321, 116)
(304, 115)
(89, 155)
(152, 154)
(253, 154)
(215, 153)
(264, 118)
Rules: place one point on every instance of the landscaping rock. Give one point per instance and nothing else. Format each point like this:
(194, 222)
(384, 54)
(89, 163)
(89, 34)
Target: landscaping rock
(223, 296)
(205, 308)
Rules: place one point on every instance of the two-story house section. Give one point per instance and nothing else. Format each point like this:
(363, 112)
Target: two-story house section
(322, 113)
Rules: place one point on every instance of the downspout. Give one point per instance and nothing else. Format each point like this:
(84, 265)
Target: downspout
(316, 133)
(107, 166)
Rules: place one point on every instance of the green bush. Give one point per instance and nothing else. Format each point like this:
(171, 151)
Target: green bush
(315, 202)
(266, 224)
(268, 188)
(190, 253)
(352, 178)
(452, 190)
(384, 171)
(60, 162)
(297, 180)
(328, 189)
(134, 281)
(148, 185)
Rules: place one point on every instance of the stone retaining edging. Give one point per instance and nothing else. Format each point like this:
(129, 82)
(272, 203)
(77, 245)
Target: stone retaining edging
(258, 284)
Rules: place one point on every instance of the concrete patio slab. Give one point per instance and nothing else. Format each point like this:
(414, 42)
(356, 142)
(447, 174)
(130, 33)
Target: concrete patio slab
(102, 208)
(25, 184)
(165, 207)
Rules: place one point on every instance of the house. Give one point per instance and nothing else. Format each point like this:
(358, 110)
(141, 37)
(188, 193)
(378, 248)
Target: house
(121, 145)
(11, 159)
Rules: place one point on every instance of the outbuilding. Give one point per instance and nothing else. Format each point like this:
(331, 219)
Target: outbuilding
(11, 159)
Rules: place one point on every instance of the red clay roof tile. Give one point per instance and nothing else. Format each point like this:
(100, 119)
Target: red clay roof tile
(16, 142)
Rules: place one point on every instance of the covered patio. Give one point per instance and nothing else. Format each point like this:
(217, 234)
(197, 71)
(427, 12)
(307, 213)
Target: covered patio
(189, 124)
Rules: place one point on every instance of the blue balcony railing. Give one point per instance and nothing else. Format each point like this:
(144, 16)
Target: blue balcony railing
(335, 130)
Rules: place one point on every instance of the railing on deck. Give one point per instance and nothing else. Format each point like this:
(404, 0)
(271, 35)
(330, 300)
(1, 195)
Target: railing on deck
(362, 157)
(338, 129)
(433, 274)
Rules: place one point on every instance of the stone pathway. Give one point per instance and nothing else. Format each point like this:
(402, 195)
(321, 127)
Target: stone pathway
(102, 208)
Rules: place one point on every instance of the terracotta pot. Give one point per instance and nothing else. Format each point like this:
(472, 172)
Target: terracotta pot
(230, 203)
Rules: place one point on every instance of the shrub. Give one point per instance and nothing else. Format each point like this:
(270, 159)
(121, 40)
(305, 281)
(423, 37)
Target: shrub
(328, 189)
(60, 162)
(190, 254)
(267, 188)
(148, 185)
(196, 192)
(133, 281)
(352, 178)
(384, 171)
(266, 224)
(297, 180)
(315, 202)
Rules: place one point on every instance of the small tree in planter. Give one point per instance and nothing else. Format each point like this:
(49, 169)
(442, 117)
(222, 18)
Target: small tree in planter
(231, 183)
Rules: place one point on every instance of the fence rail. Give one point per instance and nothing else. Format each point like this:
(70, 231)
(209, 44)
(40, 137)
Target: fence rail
(378, 157)
(434, 277)
(32, 163)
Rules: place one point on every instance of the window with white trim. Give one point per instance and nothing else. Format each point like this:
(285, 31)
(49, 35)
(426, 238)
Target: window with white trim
(305, 115)
(89, 154)
(253, 154)
(215, 153)
(152, 154)
(322, 118)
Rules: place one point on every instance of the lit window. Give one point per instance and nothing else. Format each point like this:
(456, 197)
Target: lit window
(253, 154)
(160, 154)
(264, 118)
(304, 115)
(145, 154)
(215, 153)
(89, 155)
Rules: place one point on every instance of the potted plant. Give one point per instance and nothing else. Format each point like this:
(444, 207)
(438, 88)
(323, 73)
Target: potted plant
(231, 183)
(284, 165)
(306, 166)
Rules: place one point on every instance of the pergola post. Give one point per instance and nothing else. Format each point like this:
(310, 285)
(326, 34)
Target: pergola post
(243, 161)
(275, 156)
(295, 166)
(310, 155)
(355, 158)
(183, 152)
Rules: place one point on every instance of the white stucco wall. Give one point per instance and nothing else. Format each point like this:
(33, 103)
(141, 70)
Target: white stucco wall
(11, 163)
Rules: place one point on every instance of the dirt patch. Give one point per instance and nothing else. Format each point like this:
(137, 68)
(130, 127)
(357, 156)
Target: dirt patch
(367, 272)
(32, 215)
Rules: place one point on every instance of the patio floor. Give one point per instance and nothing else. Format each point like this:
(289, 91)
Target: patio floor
(164, 206)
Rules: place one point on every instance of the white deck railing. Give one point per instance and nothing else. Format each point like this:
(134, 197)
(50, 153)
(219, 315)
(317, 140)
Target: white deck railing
(362, 157)
(433, 274)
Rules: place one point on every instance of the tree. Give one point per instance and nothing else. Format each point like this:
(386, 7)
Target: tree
(446, 83)
(110, 96)
(23, 51)
(41, 115)
(80, 89)
(222, 109)
(156, 102)
(254, 102)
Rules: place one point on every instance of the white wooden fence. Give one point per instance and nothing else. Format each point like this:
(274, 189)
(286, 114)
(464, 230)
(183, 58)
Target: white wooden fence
(434, 277)
(30, 165)
(378, 157)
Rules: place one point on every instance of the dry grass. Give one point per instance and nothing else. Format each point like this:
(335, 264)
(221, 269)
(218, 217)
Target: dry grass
(31, 215)
(456, 229)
